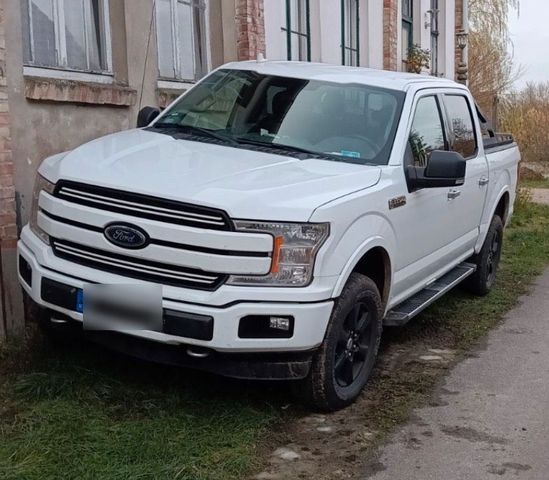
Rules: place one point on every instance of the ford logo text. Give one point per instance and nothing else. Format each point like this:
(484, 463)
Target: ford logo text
(126, 236)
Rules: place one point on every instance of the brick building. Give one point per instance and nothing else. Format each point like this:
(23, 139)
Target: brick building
(73, 70)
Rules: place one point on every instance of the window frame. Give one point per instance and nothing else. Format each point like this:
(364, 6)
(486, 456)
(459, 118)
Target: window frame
(450, 132)
(290, 32)
(407, 20)
(435, 37)
(345, 31)
(443, 121)
(61, 55)
(201, 71)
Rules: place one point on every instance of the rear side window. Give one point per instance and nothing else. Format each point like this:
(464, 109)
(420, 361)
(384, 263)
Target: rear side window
(427, 132)
(464, 140)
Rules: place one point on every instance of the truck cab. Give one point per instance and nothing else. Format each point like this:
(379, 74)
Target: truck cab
(280, 214)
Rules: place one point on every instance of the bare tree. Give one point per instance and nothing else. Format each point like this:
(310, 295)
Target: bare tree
(526, 114)
(491, 68)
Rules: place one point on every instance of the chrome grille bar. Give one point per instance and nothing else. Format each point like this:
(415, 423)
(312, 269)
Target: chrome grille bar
(135, 267)
(143, 206)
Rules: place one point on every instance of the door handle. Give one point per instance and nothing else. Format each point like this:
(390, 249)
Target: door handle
(453, 193)
(483, 181)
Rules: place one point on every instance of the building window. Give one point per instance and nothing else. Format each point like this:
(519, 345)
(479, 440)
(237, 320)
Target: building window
(67, 34)
(298, 30)
(350, 31)
(181, 37)
(434, 37)
(407, 28)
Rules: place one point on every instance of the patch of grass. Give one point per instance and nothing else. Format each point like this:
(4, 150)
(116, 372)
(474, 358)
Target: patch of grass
(542, 183)
(81, 412)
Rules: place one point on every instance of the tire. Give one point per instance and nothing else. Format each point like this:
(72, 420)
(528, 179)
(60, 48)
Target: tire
(343, 364)
(487, 260)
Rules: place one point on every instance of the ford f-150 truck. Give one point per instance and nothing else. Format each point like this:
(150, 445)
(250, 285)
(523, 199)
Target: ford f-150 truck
(284, 211)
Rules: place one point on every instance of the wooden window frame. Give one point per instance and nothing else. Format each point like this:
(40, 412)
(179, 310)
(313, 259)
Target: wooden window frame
(61, 54)
(408, 20)
(344, 31)
(200, 60)
(435, 37)
(290, 32)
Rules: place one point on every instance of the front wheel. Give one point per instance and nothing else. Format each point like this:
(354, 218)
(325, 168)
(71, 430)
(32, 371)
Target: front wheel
(487, 260)
(342, 365)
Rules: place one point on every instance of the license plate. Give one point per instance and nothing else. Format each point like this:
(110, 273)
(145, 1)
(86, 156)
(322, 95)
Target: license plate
(80, 300)
(121, 307)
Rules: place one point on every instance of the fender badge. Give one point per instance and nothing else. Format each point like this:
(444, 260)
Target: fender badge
(397, 202)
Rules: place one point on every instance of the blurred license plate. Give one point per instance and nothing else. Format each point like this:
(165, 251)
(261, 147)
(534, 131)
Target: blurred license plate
(121, 307)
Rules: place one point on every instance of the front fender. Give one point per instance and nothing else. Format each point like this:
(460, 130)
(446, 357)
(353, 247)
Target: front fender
(351, 264)
(348, 246)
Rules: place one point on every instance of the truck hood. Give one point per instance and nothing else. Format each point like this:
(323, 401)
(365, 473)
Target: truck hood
(246, 184)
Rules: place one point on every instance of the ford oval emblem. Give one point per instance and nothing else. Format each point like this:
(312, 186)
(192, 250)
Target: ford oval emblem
(126, 236)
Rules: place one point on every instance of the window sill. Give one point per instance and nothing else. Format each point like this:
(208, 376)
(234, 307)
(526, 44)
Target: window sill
(167, 91)
(61, 74)
(48, 89)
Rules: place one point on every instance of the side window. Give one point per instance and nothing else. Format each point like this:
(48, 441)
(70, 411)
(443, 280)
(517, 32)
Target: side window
(427, 132)
(462, 125)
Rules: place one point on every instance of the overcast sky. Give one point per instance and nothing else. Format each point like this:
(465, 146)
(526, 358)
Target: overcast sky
(530, 35)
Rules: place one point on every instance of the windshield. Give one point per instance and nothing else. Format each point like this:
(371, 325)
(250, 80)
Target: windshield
(348, 122)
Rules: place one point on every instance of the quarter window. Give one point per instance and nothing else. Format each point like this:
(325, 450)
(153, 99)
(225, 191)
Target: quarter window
(68, 34)
(350, 28)
(298, 30)
(427, 132)
(461, 122)
(181, 37)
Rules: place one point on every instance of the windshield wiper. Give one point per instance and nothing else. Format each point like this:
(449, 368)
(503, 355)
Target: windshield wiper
(198, 131)
(287, 148)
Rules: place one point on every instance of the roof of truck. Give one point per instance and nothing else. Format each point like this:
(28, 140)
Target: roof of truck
(342, 74)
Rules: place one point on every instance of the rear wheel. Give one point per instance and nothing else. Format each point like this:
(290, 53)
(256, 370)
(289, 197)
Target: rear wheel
(344, 362)
(487, 260)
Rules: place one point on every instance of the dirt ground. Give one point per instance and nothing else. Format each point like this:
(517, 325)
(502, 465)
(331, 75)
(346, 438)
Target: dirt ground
(334, 446)
(540, 195)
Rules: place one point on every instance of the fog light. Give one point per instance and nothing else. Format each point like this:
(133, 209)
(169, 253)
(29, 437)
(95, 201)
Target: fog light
(265, 326)
(280, 323)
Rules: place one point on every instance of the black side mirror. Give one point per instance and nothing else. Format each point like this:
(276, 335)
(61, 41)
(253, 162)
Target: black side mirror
(146, 116)
(444, 169)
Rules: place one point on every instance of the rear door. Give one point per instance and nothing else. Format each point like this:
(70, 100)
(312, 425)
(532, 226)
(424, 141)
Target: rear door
(464, 138)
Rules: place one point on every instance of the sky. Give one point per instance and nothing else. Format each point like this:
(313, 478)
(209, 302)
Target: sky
(530, 36)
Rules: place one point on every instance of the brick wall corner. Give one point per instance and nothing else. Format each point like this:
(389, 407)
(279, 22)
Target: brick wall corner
(250, 25)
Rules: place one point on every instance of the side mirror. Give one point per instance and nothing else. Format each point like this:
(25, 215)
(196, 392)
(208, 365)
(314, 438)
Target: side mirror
(444, 169)
(146, 116)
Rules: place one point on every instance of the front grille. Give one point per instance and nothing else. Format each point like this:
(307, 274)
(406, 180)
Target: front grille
(156, 272)
(143, 206)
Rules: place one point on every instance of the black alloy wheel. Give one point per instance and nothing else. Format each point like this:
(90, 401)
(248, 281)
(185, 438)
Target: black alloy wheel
(343, 363)
(354, 344)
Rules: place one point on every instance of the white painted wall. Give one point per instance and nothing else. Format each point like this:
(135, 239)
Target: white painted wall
(326, 32)
(275, 38)
(371, 38)
(447, 66)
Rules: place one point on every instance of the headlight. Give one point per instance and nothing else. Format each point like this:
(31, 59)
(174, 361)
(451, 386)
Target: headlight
(40, 184)
(294, 252)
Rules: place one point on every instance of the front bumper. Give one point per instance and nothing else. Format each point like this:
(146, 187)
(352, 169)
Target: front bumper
(310, 319)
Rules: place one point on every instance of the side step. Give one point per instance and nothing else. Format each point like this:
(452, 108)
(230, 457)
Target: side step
(403, 313)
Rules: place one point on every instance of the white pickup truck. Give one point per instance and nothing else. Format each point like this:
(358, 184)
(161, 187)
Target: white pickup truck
(287, 210)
